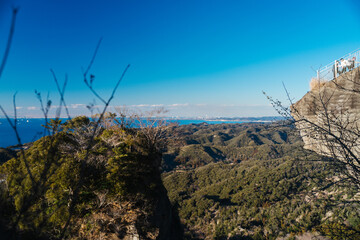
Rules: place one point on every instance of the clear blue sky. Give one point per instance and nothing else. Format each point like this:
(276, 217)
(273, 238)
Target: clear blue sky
(196, 58)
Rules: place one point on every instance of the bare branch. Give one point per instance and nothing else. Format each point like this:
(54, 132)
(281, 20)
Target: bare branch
(93, 58)
(9, 41)
(92, 137)
(61, 92)
(14, 127)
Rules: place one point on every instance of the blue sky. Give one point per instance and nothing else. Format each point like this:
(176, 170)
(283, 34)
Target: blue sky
(195, 58)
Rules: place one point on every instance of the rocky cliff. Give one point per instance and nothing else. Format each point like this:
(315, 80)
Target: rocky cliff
(328, 116)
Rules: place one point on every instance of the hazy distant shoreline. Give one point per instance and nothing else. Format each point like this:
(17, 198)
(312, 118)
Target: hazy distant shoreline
(31, 129)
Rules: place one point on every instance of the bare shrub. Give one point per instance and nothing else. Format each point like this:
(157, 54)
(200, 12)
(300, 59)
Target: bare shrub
(316, 84)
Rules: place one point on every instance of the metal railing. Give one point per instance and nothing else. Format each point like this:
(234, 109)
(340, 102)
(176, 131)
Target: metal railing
(335, 69)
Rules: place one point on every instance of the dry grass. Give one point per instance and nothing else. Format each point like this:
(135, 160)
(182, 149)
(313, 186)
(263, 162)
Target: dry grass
(316, 84)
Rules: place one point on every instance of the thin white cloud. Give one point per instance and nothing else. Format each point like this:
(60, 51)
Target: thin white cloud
(17, 108)
(179, 105)
(140, 105)
(54, 106)
(198, 105)
(227, 105)
(161, 105)
(77, 105)
(32, 108)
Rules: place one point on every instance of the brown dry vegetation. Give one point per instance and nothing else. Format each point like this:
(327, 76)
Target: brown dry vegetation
(316, 84)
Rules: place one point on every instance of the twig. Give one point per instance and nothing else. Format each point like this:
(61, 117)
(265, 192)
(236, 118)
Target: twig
(91, 142)
(93, 58)
(44, 110)
(61, 92)
(9, 41)
(14, 127)
(89, 85)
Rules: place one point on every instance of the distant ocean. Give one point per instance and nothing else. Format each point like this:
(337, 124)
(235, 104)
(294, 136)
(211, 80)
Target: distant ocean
(31, 129)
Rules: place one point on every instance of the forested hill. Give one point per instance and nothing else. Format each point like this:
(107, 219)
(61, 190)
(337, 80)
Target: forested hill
(200, 144)
(254, 181)
(224, 181)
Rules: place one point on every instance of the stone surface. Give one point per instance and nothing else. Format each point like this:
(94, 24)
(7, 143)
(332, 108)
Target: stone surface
(329, 112)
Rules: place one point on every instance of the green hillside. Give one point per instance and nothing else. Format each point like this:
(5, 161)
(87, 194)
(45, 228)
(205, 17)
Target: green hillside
(225, 181)
(255, 181)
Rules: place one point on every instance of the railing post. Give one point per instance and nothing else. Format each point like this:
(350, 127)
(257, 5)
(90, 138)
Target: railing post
(318, 75)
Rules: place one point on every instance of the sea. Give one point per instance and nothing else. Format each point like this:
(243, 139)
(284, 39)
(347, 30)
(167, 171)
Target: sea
(32, 129)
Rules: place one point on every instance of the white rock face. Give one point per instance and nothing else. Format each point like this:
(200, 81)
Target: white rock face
(331, 112)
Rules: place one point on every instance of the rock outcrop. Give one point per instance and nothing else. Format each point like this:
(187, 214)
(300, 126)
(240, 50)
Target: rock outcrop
(328, 116)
